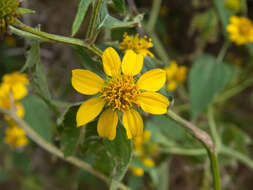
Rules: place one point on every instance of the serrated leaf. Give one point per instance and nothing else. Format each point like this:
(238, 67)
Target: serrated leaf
(109, 22)
(37, 116)
(70, 133)
(82, 9)
(25, 11)
(119, 5)
(206, 79)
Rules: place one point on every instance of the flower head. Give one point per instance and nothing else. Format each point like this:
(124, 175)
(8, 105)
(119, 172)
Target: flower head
(240, 30)
(119, 93)
(15, 136)
(137, 44)
(8, 13)
(175, 75)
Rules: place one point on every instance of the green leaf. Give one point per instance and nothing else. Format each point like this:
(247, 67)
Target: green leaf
(39, 78)
(109, 22)
(37, 116)
(119, 5)
(33, 57)
(88, 62)
(234, 137)
(25, 11)
(166, 132)
(160, 176)
(206, 79)
(223, 13)
(70, 133)
(82, 8)
(120, 150)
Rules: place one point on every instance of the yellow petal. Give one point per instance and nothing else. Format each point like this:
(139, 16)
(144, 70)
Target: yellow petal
(86, 82)
(111, 62)
(107, 124)
(133, 123)
(89, 110)
(132, 63)
(153, 102)
(152, 80)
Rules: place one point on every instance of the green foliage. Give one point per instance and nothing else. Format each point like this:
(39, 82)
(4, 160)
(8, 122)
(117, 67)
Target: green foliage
(69, 132)
(37, 115)
(82, 9)
(206, 79)
(109, 22)
(120, 5)
(160, 176)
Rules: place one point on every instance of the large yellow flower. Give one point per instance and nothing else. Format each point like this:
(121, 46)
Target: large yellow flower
(119, 93)
(137, 44)
(240, 30)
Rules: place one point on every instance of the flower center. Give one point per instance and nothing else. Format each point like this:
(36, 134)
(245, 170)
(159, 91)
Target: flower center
(120, 93)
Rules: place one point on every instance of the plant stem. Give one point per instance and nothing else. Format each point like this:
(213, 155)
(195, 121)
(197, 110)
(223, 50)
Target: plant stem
(238, 155)
(235, 90)
(160, 50)
(54, 150)
(223, 51)
(206, 140)
(57, 38)
(153, 15)
(213, 128)
(184, 151)
(93, 23)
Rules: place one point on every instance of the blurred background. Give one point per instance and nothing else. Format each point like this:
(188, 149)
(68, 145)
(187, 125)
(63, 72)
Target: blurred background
(186, 29)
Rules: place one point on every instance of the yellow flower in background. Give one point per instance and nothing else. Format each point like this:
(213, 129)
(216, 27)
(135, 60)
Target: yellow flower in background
(164, 10)
(17, 84)
(137, 44)
(175, 75)
(144, 150)
(15, 136)
(119, 93)
(137, 171)
(240, 30)
(234, 5)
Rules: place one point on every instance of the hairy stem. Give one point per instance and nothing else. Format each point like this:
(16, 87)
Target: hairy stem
(57, 38)
(206, 140)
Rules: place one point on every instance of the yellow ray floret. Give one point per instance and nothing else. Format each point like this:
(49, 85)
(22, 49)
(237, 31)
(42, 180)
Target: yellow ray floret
(137, 44)
(240, 30)
(120, 92)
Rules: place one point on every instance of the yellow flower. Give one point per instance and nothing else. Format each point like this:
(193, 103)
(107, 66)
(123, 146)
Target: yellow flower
(119, 93)
(137, 44)
(240, 30)
(148, 162)
(175, 75)
(15, 136)
(16, 82)
(137, 171)
(163, 10)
